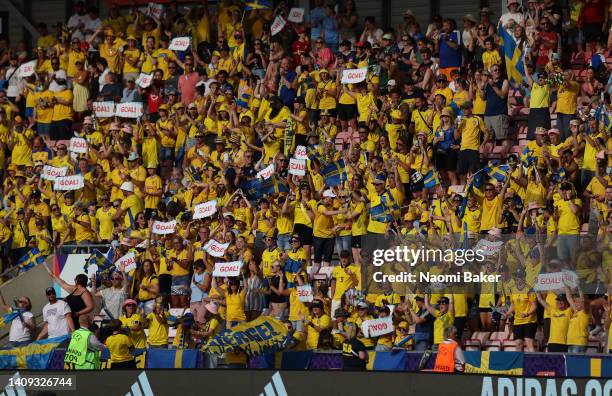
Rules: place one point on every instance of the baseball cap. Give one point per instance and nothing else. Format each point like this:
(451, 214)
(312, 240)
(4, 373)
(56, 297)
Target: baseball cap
(387, 36)
(362, 305)
(329, 194)
(49, 290)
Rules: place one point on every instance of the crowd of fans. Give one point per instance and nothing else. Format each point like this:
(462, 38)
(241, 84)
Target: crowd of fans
(438, 102)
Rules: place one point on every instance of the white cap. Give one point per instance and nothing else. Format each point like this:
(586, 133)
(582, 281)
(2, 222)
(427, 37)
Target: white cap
(391, 83)
(127, 186)
(329, 194)
(133, 156)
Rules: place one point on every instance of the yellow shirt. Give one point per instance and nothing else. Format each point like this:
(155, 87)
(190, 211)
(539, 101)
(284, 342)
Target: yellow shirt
(540, 96)
(567, 98)
(60, 111)
(158, 332)
(470, 132)
(152, 184)
(131, 205)
(569, 223)
(343, 280)
(491, 209)
(312, 335)
(235, 307)
(522, 302)
(119, 347)
(578, 329)
(268, 257)
(105, 223)
(327, 101)
(301, 212)
(559, 323)
(442, 322)
(138, 338)
(323, 224)
(490, 58)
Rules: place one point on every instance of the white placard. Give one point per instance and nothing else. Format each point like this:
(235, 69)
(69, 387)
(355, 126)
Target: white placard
(163, 227)
(377, 327)
(144, 80)
(104, 109)
(126, 263)
(27, 69)
(66, 183)
(266, 172)
(301, 152)
(129, 110)
(353, 76)
(78, 145)
(227, 269)
(296, 15)
(179, 44)
(51, 172)
(155, 10)
(304, 293)
(278, 25)
(555, 281)
(214, 248)
(204, 209)
(297, 167)
(143, 245)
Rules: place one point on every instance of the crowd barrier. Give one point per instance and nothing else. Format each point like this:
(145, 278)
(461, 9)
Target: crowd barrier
(532, 364)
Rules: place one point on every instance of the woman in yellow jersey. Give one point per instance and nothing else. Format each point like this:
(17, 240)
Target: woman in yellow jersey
(523, 306)
(120, 347)
(133, 322)
(104, 215)
(300, 116)
(233, 299)
(358, 217)
(62, 230)
(486, 299)
(179, 264)
(303, 216)
(140, 230)
(148, 286)
(317, 322)
(343, 224)
(560, 316)
(578, 330)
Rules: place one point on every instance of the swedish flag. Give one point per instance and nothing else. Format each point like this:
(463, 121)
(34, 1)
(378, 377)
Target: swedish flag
(35, 356)
(8, 318)
(193, 174)
(335, 173)
(431, 179)
(527, 157)
(103, 263)
(513, 55)
(258, 5)
(273, 185)
(495, 362)
(498, 172)
(30, 260)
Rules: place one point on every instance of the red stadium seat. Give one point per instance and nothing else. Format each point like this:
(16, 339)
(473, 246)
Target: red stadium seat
(509, 345)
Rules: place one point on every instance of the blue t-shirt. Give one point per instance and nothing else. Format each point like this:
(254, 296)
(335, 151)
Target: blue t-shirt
(495, 104)
(449, 139)
(287, 95)
(450, 57)
(316, 19)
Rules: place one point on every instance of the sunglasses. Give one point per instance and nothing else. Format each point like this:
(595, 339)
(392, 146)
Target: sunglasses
(489, 189)
(130, 305)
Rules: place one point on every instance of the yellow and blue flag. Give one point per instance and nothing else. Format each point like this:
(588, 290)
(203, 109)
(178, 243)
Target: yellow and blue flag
(498, 172)
(431, 179)
(262, 335)
(387, 361)
(30, 260)
(335, 173)
(584, 366)
(35, 356)
(171, 358)
(258, 5)
(494, 362)
(104, 263)
(8, 318)
(513, 56)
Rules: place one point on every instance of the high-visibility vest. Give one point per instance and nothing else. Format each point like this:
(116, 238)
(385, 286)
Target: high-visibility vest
(445, 360)
(78, 354)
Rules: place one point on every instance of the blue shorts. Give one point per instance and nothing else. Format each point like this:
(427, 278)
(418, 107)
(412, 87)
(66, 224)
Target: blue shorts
(29, 112)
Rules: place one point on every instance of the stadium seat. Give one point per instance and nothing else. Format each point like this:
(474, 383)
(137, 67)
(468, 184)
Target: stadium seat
(509, 345)
(492, 345)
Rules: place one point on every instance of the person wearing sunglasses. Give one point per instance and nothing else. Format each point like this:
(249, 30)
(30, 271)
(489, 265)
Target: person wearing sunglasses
(23, 327)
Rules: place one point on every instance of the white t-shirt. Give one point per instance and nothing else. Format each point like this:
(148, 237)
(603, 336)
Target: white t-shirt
(18, 331)
(55, 316)
(74, 21)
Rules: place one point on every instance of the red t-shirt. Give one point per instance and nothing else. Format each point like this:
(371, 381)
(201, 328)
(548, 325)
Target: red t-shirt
(593, 12)
(545, 49)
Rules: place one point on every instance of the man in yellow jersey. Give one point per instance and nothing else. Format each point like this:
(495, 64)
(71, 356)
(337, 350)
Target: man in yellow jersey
(444, 313)
(567, 213)
(344, 276)
(523, 306)
(469, 132)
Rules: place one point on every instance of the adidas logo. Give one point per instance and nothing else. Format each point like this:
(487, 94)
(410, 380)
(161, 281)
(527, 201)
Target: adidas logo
(141, 387)
(277, 383)
(14, 390)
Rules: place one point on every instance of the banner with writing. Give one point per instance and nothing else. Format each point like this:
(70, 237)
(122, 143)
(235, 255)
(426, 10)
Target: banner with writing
(27, 69)
(129, 110)
(296, 15)
(164, 227)
(51, 172)
(556, 281)
(278, 25)
(205, 209)
(104, 109)
(266, 172)
(66, 183)
(144, 80)
(297, 167)
(301, 153)
(78, 145)
(227, 269)
(126, 263)
(179, 44)
(353, 76)
(304, 293)
(377, 327)
(155, 10)
(214, 248)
